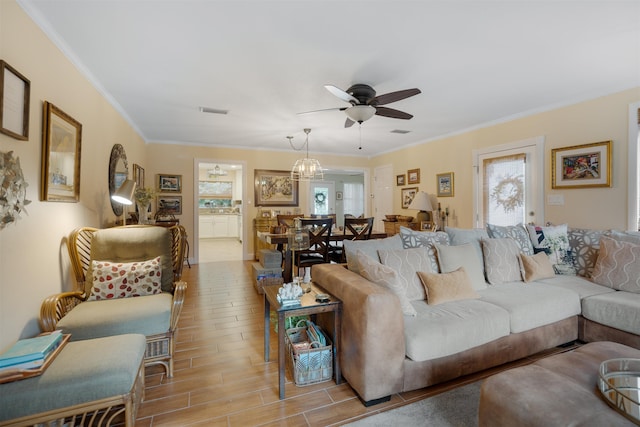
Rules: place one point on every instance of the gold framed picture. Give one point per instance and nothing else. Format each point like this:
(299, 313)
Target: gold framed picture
(444, 184)
(581, 166)
(413, 176)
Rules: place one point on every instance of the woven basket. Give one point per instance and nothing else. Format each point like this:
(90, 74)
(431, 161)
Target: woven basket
(310, 366)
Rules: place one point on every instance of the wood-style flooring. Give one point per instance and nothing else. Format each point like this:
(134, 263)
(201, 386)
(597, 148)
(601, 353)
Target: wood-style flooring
(221, 378)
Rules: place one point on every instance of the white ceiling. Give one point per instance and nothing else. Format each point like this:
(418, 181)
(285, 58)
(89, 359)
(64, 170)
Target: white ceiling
(476, 62)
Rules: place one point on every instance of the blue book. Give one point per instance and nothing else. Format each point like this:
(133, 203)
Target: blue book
(30, 349)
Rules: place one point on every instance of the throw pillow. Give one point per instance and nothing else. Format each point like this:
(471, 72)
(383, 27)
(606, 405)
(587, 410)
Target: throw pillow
(407, 262)
(460, 236)
(386, 277)
(618, 265)
(536, 267)
(515, 232)
(584, 244)
(452, 258)
(501, 260)
(626, 236)
(125, 279)
(444, 287)
(369, 247)
(554, 241)
(424, 239)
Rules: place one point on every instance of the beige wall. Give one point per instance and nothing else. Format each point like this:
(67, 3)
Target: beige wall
(33, 260)
(600, 119)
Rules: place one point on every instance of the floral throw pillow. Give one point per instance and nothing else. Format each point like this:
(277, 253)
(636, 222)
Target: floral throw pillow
(113, 280)
(554, 241)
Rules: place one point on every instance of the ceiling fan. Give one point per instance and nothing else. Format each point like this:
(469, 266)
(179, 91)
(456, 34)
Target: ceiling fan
(365, 104)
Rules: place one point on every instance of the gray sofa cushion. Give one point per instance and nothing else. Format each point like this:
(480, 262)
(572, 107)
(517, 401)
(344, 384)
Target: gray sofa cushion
(147, 315)
(532, 305)
(369, 248)
(84, 371)
(583, 287)
(449, 328)
(618, 309)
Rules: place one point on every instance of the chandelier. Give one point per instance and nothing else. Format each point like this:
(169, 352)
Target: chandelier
(305, 169)
(216, 172)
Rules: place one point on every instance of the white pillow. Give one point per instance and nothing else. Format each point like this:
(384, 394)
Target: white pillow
(554, 240)
(369, 247)
(501, 260)
(452, 258)
(386, 277)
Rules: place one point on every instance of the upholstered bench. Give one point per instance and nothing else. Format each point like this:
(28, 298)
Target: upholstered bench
(560, 390)
(91, 382)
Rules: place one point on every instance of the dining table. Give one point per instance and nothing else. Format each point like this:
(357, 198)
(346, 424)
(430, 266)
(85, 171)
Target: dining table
(283, 239)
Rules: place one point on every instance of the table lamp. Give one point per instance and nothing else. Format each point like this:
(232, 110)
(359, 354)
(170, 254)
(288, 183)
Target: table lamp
(124, 196)
(422, 203)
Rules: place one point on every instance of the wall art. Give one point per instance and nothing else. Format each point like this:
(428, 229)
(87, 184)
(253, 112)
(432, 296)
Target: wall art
(581, 166)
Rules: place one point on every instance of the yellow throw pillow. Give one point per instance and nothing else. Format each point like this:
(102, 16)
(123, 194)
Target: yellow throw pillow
(535, 267)
(444, 287)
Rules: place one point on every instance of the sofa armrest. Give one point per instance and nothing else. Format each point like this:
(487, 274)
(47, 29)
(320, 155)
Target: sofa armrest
(56, 307)
(372, 349)
(179, 292)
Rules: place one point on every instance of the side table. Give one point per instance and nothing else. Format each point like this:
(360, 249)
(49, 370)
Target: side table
(308, 306)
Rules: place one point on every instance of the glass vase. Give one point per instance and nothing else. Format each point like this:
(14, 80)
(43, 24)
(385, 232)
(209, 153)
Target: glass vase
(143, 212)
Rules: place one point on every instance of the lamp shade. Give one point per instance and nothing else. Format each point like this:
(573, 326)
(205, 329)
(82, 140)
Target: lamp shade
(421, 202)
(124, 193)
(360, 113)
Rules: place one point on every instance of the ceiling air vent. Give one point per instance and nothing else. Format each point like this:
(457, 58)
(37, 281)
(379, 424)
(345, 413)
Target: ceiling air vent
(213, 110)
(400, 131)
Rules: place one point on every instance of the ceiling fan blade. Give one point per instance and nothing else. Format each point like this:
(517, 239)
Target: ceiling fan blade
(341, 94)
(348, 123)
(325, 109)
(388, 98)
(394, 114)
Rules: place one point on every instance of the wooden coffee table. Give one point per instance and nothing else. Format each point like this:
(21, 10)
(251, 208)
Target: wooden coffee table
(308, 306)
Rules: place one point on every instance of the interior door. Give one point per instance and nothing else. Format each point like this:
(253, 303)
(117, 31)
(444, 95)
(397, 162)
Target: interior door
(382, 194)
(322, 196)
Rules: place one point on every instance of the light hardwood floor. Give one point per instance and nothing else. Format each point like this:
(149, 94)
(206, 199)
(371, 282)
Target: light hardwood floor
(221, 378)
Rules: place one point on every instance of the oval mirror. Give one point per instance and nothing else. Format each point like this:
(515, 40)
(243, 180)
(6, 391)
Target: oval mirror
(118, 173)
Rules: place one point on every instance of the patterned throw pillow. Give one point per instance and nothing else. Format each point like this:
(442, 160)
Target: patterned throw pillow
(554, 241)
(515, 232)
(424, 239)
(125, 279)
(407, 262)
(501, 260)
(386, 277)
(584, 244)
(618, 265)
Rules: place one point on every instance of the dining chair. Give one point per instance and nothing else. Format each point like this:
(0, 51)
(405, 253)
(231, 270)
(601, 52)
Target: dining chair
(319, 238)
(286, 221)
(356, 229)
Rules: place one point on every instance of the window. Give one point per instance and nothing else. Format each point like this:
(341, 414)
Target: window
(509, 183)
(353, 198)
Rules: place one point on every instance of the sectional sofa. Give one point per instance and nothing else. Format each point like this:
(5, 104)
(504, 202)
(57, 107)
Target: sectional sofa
(422, 308)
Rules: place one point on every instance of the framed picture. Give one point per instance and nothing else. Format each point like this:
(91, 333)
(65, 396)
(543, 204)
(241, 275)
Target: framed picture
(413, 176)
(275, 188)
(445, 184)
(61, 140)
(138, 175)
(581, 166)
(170, 205)
(339, 195)
(169, 183)
(14, 102)
(428, 226)
(400, 180)
(407, 195)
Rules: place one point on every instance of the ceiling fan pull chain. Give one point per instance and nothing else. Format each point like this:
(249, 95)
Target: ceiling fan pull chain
(360, 127)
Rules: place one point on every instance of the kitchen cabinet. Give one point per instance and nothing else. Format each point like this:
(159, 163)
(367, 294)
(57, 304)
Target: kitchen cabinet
(218, 226)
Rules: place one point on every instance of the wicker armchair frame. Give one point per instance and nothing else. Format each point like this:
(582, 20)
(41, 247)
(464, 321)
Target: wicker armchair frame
(160, 347)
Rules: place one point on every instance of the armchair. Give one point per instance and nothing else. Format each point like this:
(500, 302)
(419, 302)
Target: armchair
(155, 316)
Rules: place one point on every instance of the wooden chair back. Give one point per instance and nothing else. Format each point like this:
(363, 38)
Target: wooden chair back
(360, 228)
(319, 236)
(287, 220)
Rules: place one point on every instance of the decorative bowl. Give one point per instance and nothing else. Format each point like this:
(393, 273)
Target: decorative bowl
(391, 217)
(405, 218)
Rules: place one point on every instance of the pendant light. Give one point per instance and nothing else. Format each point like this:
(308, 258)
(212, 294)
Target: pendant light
(306, 169)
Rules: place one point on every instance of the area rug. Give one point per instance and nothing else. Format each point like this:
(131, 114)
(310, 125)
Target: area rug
(455, 408)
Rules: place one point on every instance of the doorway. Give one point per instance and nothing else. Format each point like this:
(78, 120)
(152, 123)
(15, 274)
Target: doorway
(321, 197)
(218, 222)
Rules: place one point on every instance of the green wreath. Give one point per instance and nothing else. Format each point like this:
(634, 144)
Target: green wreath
(320, 198)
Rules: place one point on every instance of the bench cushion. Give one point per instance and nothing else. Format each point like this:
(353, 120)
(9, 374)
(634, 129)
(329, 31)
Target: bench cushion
(84, 371)
(146, 315)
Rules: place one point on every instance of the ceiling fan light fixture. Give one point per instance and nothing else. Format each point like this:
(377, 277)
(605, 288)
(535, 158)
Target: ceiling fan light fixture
(360, 113)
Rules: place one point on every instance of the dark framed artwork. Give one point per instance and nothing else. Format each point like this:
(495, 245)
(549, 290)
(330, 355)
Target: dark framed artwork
(400, 180)
(138, 175)
(581, 166)
(61, 143)
(169, 205)
(14, 102)
(444, 184)
(169, 183)
(275, 188)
